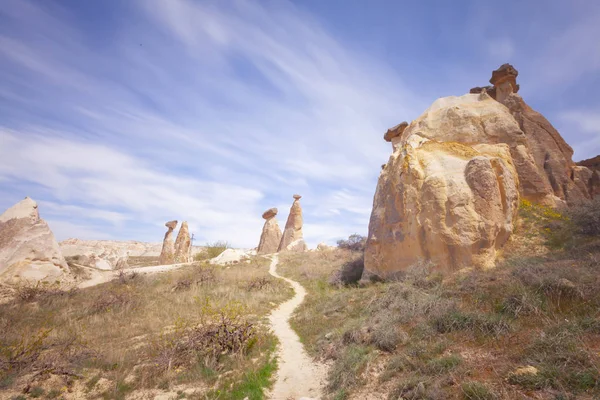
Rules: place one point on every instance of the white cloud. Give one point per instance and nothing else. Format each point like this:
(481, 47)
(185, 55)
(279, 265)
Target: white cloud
(205, 112)
(587, 124)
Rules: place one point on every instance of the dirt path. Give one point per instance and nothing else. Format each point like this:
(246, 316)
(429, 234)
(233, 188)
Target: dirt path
(100, 276)
(298, 377)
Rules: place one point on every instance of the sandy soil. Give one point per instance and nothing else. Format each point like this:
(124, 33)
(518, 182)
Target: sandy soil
(298, 377)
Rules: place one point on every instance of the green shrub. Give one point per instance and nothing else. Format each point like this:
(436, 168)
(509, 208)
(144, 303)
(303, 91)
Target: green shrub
(345, 372)
(455, 320)
(212, 250)
(355, 242)
(585, 217)
(477, 391)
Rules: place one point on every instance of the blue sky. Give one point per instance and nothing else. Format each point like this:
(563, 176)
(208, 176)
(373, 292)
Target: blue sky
(117, 116)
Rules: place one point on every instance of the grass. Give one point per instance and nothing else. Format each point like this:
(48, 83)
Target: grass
(463, 335)
(79, 337)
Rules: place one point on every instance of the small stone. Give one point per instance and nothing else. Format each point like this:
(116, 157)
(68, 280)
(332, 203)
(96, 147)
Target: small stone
(528, 370)
(395, 131)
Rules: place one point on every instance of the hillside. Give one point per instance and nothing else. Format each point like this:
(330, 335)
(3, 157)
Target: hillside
(528, 329)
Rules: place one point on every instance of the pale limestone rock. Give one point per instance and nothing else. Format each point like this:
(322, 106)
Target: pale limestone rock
(297, 246)
(182, 244)
(477, 119)
(28, 249)
(292, 238)
(271, 233)
(449, 203)
(323, 247)
(528, 370)
(78, 247)
(167, 254)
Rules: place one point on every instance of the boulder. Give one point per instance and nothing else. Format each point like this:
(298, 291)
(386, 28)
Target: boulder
(395, 131)
(324, 247)
(271, 233)
(183, 245)
(167, 254)
(446, 202)
(292, 238)
(28, 249)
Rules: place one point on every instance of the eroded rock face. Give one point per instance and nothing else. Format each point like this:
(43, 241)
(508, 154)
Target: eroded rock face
(593, 165)
(183, 244)
(292, 238)
(449, 203)
(551, 180)
(552, 155)
(271, 233)
(167, 254)
(28, 249)
(542, 158)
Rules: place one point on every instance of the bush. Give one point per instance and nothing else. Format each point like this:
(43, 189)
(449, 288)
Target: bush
(477, 391)
(212, 250)
(345, 372)
(349, 273)
(355, 242)
(455, 320)
(226, 334)
(586, 217)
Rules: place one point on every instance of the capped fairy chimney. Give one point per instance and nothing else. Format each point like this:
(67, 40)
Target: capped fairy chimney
(504, 80)
(271, 233)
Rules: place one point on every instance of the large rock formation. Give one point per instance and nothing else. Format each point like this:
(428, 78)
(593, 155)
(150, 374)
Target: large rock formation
(271, 233)
(167, 254)
(28, 249)
(450, 191)
(446, 202)
(542, 157)
(183, 244)
(292, 238)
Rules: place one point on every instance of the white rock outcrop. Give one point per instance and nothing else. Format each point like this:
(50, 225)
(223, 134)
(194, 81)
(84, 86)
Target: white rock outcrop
(28, 249)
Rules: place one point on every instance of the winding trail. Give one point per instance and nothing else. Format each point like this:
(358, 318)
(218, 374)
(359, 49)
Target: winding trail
(298, 377)
(99, 276)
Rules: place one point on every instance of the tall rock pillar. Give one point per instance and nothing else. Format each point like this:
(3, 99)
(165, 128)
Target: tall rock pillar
(271, 233)
(292, 238)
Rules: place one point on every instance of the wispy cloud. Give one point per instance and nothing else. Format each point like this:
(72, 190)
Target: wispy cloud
(204, 112)
(214, 111)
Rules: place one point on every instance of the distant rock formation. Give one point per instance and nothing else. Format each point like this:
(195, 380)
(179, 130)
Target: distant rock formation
(167, 254)
(589, 175)
(75, 247)
(271, 233)
(182, 244)
(292, 238)
(28, 249)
